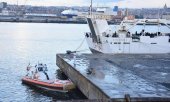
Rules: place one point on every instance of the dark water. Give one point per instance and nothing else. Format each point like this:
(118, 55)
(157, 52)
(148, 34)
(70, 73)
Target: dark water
(21, 43)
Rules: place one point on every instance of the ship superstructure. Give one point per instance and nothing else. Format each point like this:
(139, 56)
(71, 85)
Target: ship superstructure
(103, 39)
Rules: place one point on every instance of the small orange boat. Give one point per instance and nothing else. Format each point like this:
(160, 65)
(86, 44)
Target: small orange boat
(33, 78)
(57, 85)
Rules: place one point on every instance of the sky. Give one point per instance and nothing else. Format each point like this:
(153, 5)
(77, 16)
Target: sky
(110, 3)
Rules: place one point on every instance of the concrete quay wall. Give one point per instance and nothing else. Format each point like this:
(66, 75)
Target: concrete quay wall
(90, 90)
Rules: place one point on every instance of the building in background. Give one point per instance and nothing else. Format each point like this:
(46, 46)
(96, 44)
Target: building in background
(126, 12)
(107, 13)
(116, 8)
(3, 5)
(166, 13)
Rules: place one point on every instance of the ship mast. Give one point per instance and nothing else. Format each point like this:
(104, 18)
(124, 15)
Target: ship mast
(91, 7)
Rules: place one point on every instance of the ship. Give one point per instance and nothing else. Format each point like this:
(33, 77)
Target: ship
(69, 13)
(103, 39)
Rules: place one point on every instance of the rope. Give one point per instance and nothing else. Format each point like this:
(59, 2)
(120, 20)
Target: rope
(80, 45)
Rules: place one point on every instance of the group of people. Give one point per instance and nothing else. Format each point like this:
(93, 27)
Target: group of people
(38, 71)
(143, 33)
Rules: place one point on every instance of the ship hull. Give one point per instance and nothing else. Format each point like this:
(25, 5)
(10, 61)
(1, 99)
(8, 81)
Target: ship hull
(128, 47)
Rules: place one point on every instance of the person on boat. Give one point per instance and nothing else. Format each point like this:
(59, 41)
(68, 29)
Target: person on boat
(143, 32)
(28, 69)
(41, 71)
(40, 67)
(136, 33)
(31, 72)
(45, 71)
(47, 76)
(36, 75)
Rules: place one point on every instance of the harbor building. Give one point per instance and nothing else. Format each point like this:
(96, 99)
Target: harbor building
(104, 13)
(116, 8)
(166, 13)
(107, 13)
(3, 5)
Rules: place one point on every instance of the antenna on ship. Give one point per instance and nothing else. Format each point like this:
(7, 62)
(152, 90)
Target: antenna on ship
(91, 7)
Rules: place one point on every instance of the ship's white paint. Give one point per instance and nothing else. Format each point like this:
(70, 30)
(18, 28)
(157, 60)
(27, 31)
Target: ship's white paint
(125, 43)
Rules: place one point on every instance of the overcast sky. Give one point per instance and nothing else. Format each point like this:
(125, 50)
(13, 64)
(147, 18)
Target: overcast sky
(110, 3)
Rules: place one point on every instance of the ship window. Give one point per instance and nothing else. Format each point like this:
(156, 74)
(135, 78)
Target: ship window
(135, 40)
(119, 42)
(126, 43)
(115, 42)
(153, 43)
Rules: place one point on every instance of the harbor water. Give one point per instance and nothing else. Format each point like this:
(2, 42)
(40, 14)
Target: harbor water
(23, 43)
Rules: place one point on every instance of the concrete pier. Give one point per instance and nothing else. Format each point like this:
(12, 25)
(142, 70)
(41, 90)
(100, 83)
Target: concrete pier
(119, 77)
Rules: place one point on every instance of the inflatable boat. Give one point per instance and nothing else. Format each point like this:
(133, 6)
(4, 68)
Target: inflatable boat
(38, 76)
(51, 85)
